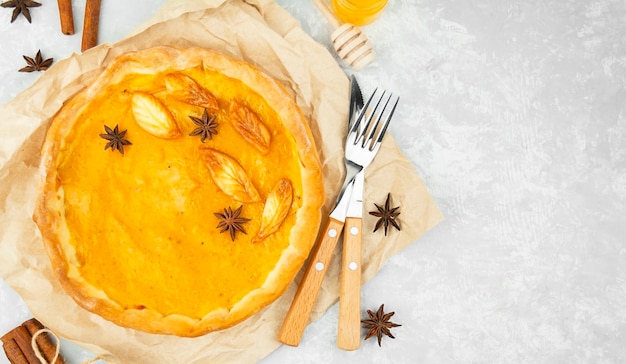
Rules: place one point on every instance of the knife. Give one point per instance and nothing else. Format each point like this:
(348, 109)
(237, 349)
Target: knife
(297, 316)
(349, 325)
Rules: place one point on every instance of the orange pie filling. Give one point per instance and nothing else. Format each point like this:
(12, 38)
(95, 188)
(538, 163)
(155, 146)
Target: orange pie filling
(141, 218)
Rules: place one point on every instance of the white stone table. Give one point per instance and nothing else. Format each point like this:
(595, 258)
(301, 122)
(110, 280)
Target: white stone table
(514, 114)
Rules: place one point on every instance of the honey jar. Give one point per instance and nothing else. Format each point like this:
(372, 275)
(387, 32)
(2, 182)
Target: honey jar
(357, 12)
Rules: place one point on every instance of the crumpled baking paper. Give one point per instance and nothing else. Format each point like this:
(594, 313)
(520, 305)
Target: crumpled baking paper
(263, 34)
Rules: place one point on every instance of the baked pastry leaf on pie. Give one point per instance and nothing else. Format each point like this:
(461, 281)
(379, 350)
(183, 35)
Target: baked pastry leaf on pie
(181, 191)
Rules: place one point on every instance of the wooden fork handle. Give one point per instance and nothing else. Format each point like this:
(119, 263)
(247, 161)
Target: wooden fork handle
(349, 329)
(297, 317)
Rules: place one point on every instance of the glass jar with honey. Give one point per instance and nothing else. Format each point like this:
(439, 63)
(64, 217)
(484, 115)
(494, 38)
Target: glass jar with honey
(357, 12)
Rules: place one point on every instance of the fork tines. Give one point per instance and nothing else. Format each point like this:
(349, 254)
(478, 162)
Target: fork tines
(365, 128)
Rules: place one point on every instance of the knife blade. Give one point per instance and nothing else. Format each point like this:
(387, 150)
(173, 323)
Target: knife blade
(349, 324)
(356, 100)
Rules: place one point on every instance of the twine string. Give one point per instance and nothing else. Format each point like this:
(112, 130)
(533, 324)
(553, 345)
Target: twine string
(33, 342)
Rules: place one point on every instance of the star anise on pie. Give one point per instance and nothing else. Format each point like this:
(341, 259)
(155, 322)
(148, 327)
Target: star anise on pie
(207, 126)
(37, 63)
(231, 221)
(386, 215)
(21, 7)
(379, 324)
(115, 138)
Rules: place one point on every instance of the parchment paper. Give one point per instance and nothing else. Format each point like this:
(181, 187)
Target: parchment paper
(259, 32)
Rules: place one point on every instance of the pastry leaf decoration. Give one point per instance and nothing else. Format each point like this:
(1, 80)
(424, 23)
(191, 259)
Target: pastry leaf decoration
(229, 176)
(250, 127)
(153, 117)
(276, 208)
(186, 89)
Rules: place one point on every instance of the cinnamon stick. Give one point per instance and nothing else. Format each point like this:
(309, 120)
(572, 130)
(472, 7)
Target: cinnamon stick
(67, 16)
(46, 346)
(13, 352)
(90, 26)
(18, 348)
(22, 338)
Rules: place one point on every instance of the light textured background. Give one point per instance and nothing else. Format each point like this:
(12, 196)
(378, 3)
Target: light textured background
(514, 114)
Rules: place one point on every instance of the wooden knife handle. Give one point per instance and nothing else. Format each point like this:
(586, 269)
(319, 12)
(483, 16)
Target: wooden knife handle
(297, 317)
(349, 330)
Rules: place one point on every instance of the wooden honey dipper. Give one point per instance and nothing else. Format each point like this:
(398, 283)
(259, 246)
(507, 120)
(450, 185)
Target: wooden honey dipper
(351, 45)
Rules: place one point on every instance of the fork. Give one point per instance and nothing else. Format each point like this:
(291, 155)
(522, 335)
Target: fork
(362, 144)
(349, 323)
(361, 148)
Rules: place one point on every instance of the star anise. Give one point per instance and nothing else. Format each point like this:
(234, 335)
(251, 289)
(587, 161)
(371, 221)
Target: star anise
(207, 126)
(21, 7)
(36, 64)
(231, 222)
(387, 215)
(379, 324)
(115, 138)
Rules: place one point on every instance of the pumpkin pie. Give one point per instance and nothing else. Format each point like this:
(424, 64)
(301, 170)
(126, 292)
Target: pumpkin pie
(180, 193)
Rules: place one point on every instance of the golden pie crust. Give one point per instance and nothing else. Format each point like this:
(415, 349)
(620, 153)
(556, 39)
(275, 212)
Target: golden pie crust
(133, 236)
